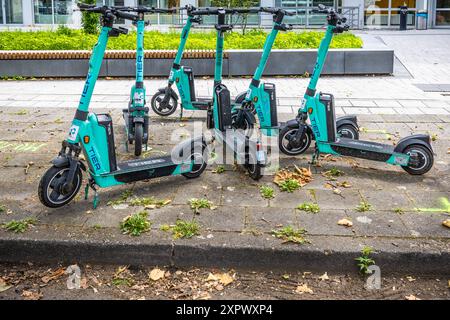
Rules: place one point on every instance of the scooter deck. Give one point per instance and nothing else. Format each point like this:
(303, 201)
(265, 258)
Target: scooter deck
(363, 149)
(202, 103)
(142, 169)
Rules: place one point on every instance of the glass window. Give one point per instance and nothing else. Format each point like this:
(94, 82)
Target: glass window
(43, 12)
(398, 3)
(442, 18)
(1, 12)
(13, 11)
(395, 18)
(443, 4)
(376, 17)
(63, 11)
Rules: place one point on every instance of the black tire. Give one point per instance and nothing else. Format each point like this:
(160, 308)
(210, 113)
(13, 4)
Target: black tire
(348, 131)
(198, 168)
(426, 159)
(284, 144)
(51, 180)
(138, 138)
(169, 109)
(246, 127)
(254, 169)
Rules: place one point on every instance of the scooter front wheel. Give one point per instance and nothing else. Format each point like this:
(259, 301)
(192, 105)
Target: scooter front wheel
(138, 137)
(425, 160)
(285, 144)
(53, 192)
(166, 109)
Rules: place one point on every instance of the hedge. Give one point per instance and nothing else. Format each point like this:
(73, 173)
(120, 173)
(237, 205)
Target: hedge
(67, 39)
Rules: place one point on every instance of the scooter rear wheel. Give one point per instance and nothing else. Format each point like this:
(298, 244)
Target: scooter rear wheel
(426, 160)
(254, 169)
(138, 137)
(348, 131)
(51, 193)
(200, 163)
(167, 110)
(285, 145)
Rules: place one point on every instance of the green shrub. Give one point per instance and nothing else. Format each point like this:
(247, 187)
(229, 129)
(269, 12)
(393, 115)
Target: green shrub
(89, 20)
(66, 39)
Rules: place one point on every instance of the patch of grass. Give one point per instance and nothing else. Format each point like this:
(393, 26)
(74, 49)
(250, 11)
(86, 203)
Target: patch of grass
(136, 224)
(156, 40)
(364, 206)
(197, 204)
(219, 170)
(365, 261)
(19, 226)
(309, 207)
(290, 234)
(22, 112)
(2, 208)
(289, 185)
(267, 192)
(97, 227)
(122, 199)
(123, 277)
(149, 202)
(333, 173)
(399, 210)
(185, 229)
(165, 228)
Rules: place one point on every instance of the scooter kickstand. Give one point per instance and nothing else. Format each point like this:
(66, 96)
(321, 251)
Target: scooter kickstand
(91, 185)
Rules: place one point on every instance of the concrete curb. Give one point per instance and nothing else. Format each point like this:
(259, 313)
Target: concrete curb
(324, 254)
(237, 63)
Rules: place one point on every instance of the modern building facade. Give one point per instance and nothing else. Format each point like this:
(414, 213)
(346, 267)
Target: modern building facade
(361, 13)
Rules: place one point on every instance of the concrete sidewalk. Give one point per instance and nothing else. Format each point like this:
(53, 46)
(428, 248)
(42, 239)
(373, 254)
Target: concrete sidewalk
(404, 224)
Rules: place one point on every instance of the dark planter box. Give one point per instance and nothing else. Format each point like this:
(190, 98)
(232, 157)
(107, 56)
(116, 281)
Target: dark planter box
(237, 63)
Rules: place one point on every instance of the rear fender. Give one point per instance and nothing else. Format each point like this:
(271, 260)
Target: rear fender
(418, 139)
(351, 120)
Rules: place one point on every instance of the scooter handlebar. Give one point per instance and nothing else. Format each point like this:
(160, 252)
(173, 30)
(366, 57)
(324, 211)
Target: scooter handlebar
(217, 11)
(277, 11)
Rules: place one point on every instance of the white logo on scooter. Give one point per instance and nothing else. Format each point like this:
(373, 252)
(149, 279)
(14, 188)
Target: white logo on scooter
(73, 133)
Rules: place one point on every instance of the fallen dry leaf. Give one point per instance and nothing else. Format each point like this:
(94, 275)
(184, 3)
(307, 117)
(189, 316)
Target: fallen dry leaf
(345, 223)
(344, 184)
(54, 275)
(446, 223)
(3, 285)
(156, 274)
(302, 175)
(324, 277)
(30, 295)
(301, 289)
(223, 278)
(84, 283)
(410, 279)
(411, 297)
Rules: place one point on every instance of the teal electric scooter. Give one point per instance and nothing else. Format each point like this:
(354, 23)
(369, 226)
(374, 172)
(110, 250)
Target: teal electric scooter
(165, 101)
(93, 135)
(136, 116)
(246, 151)
(261, 100)
(414, 154)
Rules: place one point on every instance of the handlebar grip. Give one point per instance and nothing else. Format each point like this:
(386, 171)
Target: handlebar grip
(85, 6)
